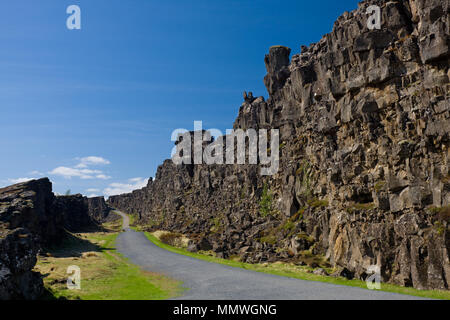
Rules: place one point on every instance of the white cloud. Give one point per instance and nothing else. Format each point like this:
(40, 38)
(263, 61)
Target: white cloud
(24, 179)
(19, 180)
(92, 160)
(82, 170)
(92, 195)
(103, 177)
(121, 188)
(68, 173)
(36, 173)
(92, 190)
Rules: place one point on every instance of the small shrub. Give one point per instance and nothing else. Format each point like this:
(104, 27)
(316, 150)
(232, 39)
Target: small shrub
(360, 207)
(305, 171)
(265, 204)
(171, 238)
(316, 203)
(434, 210)
(243, 192)
(364, 206)
(270, 239)
(216, 224)
(236, 258)
(379, 185)
(289, 225)
(442, 213)
(305, 236)
(439, 227)
(298, 215)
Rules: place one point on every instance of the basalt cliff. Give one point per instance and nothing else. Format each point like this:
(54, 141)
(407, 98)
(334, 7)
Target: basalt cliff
(364, 120)
(33, 218)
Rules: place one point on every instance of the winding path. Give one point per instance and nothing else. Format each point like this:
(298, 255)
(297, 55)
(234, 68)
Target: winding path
(212, 281)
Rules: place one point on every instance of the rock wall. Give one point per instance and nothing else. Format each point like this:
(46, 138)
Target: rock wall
(31, 217)
(81, 213)
(30, 205)
(364, 120)
(98, 209)
(18, 250)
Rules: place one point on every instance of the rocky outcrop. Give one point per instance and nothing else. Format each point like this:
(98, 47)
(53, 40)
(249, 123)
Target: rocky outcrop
(31, 217)
(364, 120)
(81, 213)
(74, 211)
(18, 250)
(30, 205)
(98, 209)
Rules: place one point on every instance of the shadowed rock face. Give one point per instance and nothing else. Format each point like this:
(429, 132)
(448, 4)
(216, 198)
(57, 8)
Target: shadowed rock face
(30, 205)
(18, 250)
(98, 209)
(31, 217)
(364, 119)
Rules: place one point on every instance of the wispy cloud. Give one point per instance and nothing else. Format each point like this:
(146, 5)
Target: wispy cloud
(19, 180)
(92, 161)
(103, 177)
(121, 188)
(69, 173)
(82, 170)
(36, 173)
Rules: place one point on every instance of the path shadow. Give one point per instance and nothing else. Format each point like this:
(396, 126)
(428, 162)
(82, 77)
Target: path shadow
(73, 246)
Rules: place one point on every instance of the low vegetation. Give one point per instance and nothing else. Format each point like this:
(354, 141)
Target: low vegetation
(379, 186)
(105, 274)
(216, 224)
(360, 207)
(306, 172)
(265, 203)
(298, 272)
(316, 203)
(441, 213)
(173, 238)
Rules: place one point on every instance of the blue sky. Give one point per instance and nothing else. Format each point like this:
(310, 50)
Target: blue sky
(94, 109)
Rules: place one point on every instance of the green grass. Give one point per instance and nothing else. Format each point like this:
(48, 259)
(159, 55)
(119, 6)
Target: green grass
(379, 186)
(316, 203)
(105, 273)
(299, 272)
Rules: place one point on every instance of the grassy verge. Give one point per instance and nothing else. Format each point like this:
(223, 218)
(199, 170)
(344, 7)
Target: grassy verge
(299, 272)
(105, 274)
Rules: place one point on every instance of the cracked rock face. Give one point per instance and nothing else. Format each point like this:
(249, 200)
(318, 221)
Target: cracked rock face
(31, 217)
(18, 252)
(364, 120)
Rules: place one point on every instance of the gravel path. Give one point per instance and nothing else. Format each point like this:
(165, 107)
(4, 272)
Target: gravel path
(208, 281)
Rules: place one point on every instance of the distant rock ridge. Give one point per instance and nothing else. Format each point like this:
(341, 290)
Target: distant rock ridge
(364, 119)
(32, 217)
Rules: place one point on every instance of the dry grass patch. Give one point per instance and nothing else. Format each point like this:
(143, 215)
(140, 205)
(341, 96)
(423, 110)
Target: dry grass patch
(105, 273)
